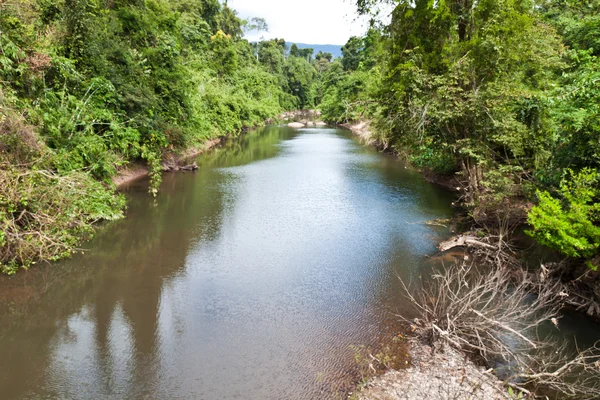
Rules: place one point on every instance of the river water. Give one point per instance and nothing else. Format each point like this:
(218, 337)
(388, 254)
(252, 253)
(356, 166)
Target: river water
(250, 279)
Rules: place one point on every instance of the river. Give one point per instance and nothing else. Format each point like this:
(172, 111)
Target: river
(249, 279)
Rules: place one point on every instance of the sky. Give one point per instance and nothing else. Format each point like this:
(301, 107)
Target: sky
(304, 21)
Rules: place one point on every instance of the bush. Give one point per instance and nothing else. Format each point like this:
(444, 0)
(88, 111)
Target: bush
(570, 224)
(43, 214)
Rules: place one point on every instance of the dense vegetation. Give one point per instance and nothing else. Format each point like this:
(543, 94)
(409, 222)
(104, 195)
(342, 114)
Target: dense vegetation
(503, 95)
(88, 86)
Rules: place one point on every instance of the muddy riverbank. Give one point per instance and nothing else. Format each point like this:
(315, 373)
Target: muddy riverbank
(137, 171)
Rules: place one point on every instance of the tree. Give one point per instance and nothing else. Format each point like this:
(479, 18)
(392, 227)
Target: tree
(270, 54)
(229, 23)
(294, 51)
(300, 75)
(306, 53)
(255, 24)
(352, 53)
(327, 56)
(77, 20)
(225, 56)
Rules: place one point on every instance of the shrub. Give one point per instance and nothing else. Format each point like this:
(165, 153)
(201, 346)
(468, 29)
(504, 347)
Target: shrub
(43, 214)
(570, 224)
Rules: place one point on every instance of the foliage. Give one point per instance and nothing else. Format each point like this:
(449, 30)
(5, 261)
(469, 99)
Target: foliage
(352, 52)
(271, 55)
(225, 58)
(571, 225)
(43, 214)
(300, 74)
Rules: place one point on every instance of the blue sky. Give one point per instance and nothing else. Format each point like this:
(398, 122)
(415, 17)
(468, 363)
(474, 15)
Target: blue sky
(305, 21)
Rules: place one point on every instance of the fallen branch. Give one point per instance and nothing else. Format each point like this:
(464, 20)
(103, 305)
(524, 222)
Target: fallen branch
(463, 240)
(177, 168)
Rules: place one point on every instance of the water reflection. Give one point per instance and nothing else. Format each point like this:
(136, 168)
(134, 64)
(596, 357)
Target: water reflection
(248, 279)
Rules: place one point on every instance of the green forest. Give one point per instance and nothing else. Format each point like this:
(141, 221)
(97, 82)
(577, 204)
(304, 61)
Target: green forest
(498, 98)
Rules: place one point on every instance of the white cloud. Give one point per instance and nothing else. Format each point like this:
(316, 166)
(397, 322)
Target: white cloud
(305, 21)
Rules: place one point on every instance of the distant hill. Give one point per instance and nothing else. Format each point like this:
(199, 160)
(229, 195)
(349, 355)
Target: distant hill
(335, 49)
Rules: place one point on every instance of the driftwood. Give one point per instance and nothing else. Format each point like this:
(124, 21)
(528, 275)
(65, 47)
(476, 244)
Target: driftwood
(464, 240)
(176, 168)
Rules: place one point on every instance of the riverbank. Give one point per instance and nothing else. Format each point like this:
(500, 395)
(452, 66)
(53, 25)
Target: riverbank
(440, 374)
(363, 131)
(136, 171)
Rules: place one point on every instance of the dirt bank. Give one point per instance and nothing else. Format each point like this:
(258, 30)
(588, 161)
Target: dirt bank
(443, 374)
(138, 170)
(362, 130)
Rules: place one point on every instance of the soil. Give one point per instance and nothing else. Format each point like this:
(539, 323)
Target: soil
(130, 174)
(362, 130)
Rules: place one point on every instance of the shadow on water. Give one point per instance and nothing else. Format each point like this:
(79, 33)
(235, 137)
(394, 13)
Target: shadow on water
(248, 279)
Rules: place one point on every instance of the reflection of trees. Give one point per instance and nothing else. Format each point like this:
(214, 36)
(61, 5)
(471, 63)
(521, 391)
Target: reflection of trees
(406, 202)
(408, 185)
(127, 266)
(252, 146)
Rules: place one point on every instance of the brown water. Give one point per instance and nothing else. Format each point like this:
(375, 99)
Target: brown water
(250, 279)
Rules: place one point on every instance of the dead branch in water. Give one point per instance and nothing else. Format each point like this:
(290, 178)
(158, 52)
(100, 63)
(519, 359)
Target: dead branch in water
(580, 288)
(464, 240)
(573, 376)
(493, 316)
